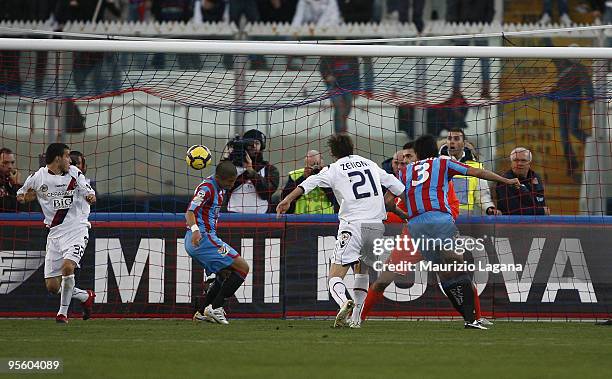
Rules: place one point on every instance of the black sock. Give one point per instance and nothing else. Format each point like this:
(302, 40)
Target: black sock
(230, 285)
(460, 293)
(211, 293)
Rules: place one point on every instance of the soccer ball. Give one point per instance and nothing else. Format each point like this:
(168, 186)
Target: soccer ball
(198, 157)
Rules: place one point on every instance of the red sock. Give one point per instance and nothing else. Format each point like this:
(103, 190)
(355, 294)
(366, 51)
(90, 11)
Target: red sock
(476, 303)
(372, 298)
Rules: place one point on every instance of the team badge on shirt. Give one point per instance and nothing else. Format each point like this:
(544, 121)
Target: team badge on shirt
(223, 250)
(344, 239)
(44, 188)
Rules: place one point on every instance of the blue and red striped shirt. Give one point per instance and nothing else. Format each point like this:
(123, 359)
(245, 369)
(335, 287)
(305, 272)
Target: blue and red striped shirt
(206, 203)
(427, 184)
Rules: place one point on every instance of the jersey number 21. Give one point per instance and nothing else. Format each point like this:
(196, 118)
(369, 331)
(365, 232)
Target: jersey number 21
(361, 182)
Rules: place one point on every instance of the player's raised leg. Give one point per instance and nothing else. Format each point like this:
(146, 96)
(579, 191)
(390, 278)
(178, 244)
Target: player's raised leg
(236, 274)
(337, 290)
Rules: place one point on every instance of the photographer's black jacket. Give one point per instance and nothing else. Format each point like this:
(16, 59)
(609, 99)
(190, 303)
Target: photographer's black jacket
(264, 185)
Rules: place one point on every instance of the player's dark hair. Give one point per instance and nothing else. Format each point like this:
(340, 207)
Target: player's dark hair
(55, 150)
(74, 155)
(426, 147)
(341, 145)
(457, 130)
(226, 169)
(408, 145)
(5, 150)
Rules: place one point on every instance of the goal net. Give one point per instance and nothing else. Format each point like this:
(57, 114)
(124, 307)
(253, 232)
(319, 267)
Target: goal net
(134, 107)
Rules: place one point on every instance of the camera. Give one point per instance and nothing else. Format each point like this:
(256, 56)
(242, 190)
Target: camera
(239, 148)
(315, 170)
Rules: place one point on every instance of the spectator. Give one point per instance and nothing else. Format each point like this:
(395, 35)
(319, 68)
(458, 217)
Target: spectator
(257, 179)
(561, 7)
(573, 85)
(173, 10)
(471, 11)
(137, 10)
(318, 12)
(84, 10)
(212, 10)
(394, 164)
(89, 63)
(398, 10)
(320, 200)
(10, 77)
(355, 10)
(473, 193)
(276, 10)
(10, 181)
(40, 11)
(341, 74)
(401, 159)
(78, 159)
(248, 8)
(360, 11)
(602, 10)
(528, 200)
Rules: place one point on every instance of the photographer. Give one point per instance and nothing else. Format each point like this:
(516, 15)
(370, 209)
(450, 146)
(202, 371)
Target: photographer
(10, 181)
(319, 200)
(257, 179)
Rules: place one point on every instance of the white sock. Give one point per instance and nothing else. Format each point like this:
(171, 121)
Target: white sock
(66, 294)
(337, 290)
(360, 291)
(80, 295)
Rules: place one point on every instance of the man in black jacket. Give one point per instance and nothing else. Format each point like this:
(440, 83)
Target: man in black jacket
(10, 181)
(257, 179)
(528, 200)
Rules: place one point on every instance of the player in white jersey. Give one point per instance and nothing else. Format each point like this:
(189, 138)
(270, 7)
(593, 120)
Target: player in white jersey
(357, 184)
(64, 196)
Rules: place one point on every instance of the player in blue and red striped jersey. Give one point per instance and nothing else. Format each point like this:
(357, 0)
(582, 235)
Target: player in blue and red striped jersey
(203, 244)
(400, 255)
(429, 217)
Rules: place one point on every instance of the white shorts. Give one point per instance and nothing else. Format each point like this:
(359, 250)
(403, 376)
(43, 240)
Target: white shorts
(355, 243)
(69, 246)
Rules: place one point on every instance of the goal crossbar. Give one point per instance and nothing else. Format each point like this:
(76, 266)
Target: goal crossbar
(230, 47)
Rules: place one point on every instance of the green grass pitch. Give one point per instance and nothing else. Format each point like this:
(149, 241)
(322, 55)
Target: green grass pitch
(311, 349)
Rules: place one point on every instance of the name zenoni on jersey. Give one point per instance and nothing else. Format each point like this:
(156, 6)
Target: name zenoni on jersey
(426, 184)
(205, 205)
(357, 183)
(62, 199)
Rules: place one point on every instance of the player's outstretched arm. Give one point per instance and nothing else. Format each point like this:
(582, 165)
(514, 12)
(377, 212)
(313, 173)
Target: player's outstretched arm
(284, 205)
(91, 198)
(90, 194)
(391, 206)
(27, 192)
(490, 175)
(30, 195)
